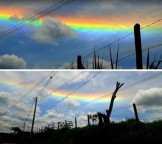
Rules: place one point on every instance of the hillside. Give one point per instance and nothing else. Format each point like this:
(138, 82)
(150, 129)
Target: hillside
(123, 132)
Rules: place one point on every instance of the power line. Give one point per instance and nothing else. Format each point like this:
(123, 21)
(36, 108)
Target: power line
(151, 47)
(129, 86)
(35, 86)
(28, 115)
(41, 90)
(65, 84)
(117, 40)
(35, 17)
(75, 90)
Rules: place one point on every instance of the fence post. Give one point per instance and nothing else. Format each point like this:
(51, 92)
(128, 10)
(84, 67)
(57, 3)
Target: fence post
(88, 120)
(75, 122)
(79, 62)
(53, 125)
(135, 111)
(58, 125)
(138, 46)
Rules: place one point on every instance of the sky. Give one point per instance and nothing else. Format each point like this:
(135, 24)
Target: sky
(76, 28)
(71, 94)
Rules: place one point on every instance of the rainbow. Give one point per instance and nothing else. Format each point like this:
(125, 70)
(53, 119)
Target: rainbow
(13, 85)
(85, 97)
(80, 24)
(6, 16)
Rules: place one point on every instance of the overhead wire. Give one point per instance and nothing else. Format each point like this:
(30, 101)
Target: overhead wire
(151, 47)
(65, 84)
(34, 87)
(34, 18)
(115, 41)
(75, 90)
(124, 88)
(41, 90)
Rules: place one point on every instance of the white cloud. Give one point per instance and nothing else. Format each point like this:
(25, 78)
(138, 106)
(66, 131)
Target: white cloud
(51, 31)
(149, 99)
(71, 102)
(82, 120)
(12, 62)
(53, 114)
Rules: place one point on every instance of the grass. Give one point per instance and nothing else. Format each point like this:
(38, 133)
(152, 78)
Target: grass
(128, 132)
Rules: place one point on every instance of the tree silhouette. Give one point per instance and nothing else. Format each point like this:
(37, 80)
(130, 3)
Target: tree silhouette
(118, 86)
(16, 129)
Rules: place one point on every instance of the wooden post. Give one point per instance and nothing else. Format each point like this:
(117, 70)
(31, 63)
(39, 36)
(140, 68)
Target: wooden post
(138, 46)
(79, 63)
(75, 122)
(53, 125)
(88, 120)
(135, 111)
(22, 138)
(33, 117)
(58, 125)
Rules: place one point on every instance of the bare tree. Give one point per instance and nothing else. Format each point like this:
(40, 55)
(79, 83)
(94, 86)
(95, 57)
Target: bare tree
(118, 86)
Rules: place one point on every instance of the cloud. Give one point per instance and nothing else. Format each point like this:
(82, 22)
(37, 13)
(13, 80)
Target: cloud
(51, 31)
(12, 62)
(149, 99)
(71, 102)
(3, 98)
(82, 120)
(53, 114)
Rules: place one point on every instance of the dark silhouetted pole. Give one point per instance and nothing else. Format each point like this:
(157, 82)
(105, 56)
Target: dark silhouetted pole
(79, 63)
(53, 125)
(118, 86)
(22, 140)
(138, 46)
(88, 120)
(58, 125)
(33, 117)
(135, 111)
(75, 122)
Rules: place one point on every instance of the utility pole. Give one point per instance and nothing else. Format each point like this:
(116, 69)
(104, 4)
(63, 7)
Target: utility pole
(75, 122)
(35, 99)
(22, 138)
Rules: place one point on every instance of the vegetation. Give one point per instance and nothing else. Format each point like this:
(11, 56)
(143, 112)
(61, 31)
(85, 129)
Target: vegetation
(126, 132)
